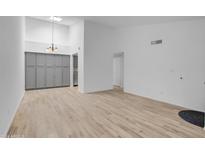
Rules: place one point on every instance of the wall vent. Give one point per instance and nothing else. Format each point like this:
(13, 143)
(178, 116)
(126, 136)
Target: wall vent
(156, 42)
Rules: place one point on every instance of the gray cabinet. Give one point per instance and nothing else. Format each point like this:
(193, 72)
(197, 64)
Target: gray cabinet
(58, 77)
(66, 71)
(40, 77)
(50, 77)
(30, 70)
(30, 59)
(40, 71)
(30, 77)
(46, 70)
(58, 71)
(65, 61)
(66, 76)
(50, 71)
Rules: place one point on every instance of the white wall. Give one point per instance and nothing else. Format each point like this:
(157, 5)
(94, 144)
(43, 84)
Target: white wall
(75, 37)
(39, 36)
(98, 57)
(154, 71)
(11, 69)
(41, 31)
(76, 40)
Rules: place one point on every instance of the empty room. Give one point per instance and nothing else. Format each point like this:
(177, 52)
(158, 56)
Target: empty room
(102, 76)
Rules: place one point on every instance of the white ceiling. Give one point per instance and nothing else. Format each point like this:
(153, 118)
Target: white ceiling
(67, 20)
(122, 21)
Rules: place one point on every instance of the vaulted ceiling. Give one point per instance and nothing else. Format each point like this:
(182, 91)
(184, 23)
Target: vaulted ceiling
(122, 21)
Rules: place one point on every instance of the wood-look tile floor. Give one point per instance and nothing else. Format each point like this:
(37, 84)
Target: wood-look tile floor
(64, 112)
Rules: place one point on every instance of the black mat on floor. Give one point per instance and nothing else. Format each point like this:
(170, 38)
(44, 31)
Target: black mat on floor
(193, 117)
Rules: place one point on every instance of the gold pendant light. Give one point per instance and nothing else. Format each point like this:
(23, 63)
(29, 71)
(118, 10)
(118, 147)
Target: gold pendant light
(53, 47)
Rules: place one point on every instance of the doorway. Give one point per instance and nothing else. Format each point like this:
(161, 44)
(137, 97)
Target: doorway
(118, 70)
(75, 69)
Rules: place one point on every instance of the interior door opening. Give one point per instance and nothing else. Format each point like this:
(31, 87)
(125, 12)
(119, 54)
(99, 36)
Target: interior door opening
(118, 70)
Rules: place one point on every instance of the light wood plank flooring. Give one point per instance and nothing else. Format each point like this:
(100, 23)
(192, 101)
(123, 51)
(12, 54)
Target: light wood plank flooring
(64, 112)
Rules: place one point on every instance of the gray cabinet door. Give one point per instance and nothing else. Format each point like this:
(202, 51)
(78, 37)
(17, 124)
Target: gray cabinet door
(58, 76)
(30, 77)
(58, 71)
(58, 60)
(46, 70)
(40, 77)
(50, 60)
(66, 76)
(40, 71)
(30, 59)
(30, 71)
(50, 72)
(66, 70)
(65, 60)
(40, 60)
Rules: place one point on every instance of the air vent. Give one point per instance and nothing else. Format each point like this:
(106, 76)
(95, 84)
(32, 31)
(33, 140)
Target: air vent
(156, 42)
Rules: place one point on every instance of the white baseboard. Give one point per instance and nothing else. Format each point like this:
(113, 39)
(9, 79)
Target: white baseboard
(13, 116)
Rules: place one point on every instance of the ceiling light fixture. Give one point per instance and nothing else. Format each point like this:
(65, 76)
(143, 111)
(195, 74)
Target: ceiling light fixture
(55, 18)
(52, 47)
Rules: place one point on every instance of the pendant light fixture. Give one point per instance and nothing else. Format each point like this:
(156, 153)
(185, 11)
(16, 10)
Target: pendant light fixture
(53, 47)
